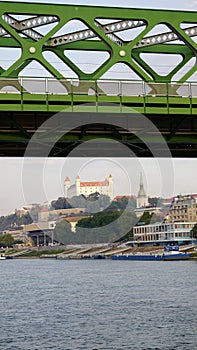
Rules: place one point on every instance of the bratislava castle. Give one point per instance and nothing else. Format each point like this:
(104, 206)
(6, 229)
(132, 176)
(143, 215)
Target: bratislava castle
(86, 188)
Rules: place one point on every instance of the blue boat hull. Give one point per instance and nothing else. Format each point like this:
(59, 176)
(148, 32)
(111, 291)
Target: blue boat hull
(99, 256)
(151, 257)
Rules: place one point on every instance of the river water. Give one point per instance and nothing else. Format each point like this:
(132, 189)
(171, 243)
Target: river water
(101, 304)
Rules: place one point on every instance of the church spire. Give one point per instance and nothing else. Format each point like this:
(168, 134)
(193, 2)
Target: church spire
(141, 180)
(142, 200)
(141, 192)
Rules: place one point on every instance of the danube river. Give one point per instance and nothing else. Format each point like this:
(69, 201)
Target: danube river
(101, 304)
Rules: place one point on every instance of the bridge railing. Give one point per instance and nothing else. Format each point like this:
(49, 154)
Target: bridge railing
(102, 87)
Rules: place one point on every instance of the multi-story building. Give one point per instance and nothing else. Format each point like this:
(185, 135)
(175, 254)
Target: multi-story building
(192, 212)
(163, 231)
(87, 188)
(183, 208)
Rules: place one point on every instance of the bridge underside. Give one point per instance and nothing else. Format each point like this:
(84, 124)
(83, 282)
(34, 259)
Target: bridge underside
(18, 128)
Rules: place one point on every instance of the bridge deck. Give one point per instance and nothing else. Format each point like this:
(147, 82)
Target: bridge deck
(22, 112)
(52, 95)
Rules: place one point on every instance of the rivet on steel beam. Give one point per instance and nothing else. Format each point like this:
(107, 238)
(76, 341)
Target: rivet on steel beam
(32, 49)
(122, 53)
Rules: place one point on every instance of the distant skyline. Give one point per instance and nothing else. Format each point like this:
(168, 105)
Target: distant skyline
(38, 180)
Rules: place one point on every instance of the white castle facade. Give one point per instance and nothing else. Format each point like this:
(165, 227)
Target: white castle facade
(86, 188)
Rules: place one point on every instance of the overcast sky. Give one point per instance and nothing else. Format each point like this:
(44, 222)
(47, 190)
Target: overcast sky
(37, 180)
(163, 4)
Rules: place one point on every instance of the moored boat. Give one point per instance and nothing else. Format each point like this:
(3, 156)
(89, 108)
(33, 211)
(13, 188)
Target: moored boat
(2, 256)
(164, 257)
(99, 256)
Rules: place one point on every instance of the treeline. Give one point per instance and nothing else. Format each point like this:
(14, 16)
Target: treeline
(6, 240)
(14, 220)
(93, 203)
(108, 223)
(103, 227)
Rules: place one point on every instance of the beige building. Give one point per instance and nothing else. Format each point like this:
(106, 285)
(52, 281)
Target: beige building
(183, 208)
(73, 220)
(41, 233)
(192, 212)
(151, 210)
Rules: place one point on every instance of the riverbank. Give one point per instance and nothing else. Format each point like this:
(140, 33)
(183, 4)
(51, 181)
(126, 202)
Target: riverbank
(89, 253)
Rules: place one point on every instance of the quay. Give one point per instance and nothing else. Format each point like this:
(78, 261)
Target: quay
(105, 251)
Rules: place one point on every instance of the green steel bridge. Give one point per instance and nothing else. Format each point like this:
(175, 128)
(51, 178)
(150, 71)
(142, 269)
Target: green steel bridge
(157, 48)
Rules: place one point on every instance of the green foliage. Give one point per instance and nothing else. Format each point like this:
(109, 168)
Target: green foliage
(18, 241)
(122, 203)
(78, 201)
(145, 218)
(62, 233)
(105, 227)
(93, 197)
(154, 201)
(24, 219)
(93, 203)
(193, 255)
(193, 232)
(34, 212)
(6, 240)
(14, 220)
(99, 219)
(60, 203)
(148, 218)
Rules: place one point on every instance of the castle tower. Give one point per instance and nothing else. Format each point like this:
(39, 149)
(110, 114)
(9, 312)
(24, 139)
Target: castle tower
(77, 185)
(66, 186)
(111, 185)
(142, 200)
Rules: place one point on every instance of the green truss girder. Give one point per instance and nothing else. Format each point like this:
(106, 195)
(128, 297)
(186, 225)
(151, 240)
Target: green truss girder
(15, 33)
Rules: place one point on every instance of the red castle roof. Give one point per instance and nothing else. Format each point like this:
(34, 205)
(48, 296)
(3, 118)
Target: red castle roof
(94, 183)
(90, 183)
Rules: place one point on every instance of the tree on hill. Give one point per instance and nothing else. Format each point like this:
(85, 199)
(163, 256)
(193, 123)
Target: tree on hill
(93, 197)
(106, 227)
(148, 218)
(62, 233)
(99, 219)
(78, 201)
(122, 203)
(14, 220)
(154, 201)
(34, 212)
(60, 203)
(24, 219)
